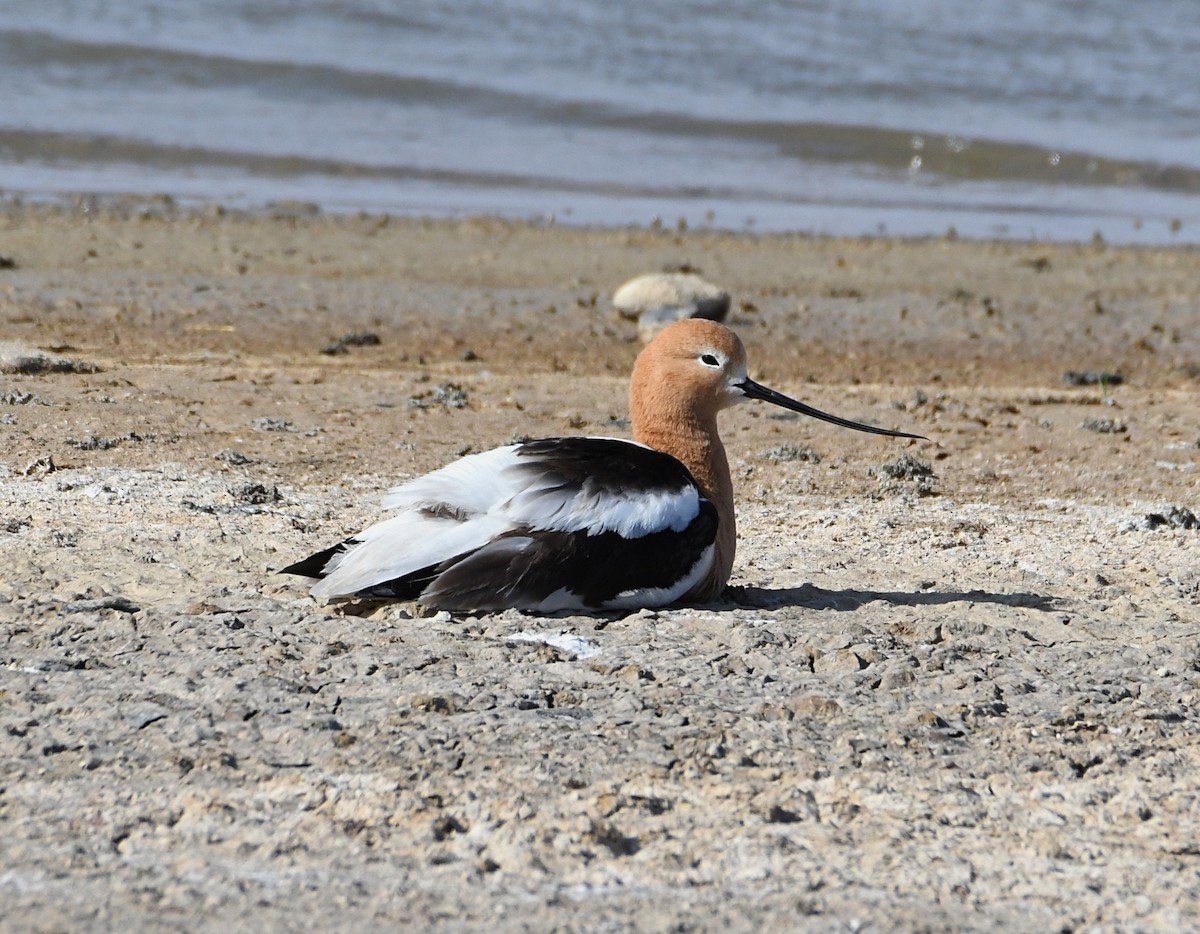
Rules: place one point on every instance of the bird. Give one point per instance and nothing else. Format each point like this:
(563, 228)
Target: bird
(576, 523)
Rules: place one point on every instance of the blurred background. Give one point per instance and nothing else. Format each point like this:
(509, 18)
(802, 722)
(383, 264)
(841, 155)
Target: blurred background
(1031, 119)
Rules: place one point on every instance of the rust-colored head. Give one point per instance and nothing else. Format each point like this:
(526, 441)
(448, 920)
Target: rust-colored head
(695, 368)
(692, 369)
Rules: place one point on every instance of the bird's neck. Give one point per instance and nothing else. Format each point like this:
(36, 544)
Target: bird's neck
(692, 439)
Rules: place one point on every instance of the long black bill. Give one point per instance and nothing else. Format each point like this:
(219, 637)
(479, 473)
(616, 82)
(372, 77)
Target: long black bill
(755, 391)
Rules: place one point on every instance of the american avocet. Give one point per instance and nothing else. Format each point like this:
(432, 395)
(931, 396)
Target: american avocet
(576, 523)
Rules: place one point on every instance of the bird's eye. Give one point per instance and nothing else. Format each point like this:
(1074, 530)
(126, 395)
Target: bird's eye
(709, 359)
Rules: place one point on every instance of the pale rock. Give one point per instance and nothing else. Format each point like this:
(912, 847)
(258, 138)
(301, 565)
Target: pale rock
(658, 299)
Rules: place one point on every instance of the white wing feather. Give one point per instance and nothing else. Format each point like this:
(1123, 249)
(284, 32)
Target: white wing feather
(494, 482)
(473, 485)
(467, 503)
(401, 545)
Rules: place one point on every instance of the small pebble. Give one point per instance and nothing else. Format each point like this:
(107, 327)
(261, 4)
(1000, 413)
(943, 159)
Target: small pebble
(907, 467)
(450, 396)
(20, 397)
(1105, 426)
(120, 604)
(1092, 378)
(230, 456)
(895, 476)
(271, 423)
(792, 452)
(1173, 517)
(256, 494)
(356, 339)
(20, 358)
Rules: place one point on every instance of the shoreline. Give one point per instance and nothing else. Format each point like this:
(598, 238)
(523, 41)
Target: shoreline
(952, 311)
(117, 205)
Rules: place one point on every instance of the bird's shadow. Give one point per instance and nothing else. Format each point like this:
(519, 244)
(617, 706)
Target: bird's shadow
(817, 598)
(737, 597)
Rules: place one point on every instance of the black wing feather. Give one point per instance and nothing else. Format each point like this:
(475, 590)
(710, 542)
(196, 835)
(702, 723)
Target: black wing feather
(603, 466)
(525, 567)
(314, 565)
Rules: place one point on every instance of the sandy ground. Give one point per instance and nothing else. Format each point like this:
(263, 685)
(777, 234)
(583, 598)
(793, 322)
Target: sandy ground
(966, 701)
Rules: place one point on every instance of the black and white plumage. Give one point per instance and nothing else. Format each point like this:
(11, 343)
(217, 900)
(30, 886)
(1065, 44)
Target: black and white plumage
(557, 524)
(577, 523)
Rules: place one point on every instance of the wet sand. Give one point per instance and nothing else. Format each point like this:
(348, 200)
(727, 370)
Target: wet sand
(961, 699)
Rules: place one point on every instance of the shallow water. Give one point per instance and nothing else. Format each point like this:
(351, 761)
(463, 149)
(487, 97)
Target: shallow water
(1055, 119)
